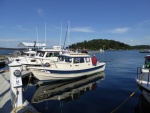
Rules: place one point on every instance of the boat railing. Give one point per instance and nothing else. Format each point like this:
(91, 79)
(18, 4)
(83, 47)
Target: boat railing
(139, 72)
(26, 59)
(140, 75)
(51, 62)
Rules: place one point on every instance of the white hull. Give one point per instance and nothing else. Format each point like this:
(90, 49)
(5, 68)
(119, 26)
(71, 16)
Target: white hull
(144, 82)
(45, 74)
(57, 90)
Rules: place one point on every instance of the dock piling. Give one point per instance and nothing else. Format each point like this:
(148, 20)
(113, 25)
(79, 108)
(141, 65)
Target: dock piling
(16, 84)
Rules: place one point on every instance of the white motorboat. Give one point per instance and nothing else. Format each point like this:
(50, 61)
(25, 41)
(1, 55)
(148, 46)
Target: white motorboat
(39, 57)
(144, 51)
(45, 55)
(26, 55)
(101, 50)
(68, 66)
(66, 90)
(143, 78)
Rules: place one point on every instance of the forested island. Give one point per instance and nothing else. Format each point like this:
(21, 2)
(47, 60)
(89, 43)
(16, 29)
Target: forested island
(106, 44)
(97, 44)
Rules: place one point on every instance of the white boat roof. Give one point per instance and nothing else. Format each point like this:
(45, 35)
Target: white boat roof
(75, 55)
(50, 50)
(30, 52)
(29, 44)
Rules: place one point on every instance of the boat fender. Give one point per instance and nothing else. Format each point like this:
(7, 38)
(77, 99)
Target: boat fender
(47, 65)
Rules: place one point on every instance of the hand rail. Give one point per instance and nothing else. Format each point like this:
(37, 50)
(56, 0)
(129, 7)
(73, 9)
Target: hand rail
(139, 72)
(148, 78)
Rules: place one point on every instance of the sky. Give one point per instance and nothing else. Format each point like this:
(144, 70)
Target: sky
(127, 21)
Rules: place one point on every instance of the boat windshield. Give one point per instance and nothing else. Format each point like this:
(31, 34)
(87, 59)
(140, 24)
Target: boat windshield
(78, 60)
(40, 53)
(65, 59)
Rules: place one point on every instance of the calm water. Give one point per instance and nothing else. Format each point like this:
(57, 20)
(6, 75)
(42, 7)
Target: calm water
(6, 52)
(95, 95)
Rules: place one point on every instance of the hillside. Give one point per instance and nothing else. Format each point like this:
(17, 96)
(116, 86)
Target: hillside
(96, 44)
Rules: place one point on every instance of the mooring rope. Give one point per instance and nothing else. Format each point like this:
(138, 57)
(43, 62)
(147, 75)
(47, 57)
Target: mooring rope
(28, 83)
(125, 100)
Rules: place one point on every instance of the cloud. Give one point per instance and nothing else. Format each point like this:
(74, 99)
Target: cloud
(20, 27)
(82, 29)
(40, 12)
(145, 23)
(119, 30)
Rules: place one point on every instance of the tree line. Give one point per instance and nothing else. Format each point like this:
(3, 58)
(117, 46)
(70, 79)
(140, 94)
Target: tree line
(97, 44)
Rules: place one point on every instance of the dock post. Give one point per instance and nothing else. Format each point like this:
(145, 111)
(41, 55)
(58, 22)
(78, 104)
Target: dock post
(16, 84)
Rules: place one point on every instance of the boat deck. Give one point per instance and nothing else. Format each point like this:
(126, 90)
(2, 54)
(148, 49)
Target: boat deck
(5, 97)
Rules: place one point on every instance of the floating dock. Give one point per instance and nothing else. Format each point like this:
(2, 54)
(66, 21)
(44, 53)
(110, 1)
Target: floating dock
(5, 95)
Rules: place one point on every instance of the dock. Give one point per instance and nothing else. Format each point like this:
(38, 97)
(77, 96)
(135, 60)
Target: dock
(5, 96)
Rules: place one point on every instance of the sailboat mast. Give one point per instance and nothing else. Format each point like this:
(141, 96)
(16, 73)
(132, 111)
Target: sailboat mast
(45, 34)
(66, 35)
(60, 34)
(37, 36)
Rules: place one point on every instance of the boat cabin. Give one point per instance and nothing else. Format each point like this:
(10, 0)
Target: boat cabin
(48, 54)
(147, 61)
(30, 53)
(74, 58)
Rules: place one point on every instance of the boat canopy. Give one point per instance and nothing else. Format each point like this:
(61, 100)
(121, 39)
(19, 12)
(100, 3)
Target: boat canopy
(29, 44)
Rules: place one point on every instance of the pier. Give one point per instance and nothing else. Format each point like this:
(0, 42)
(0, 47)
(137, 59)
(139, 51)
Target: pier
(11, 100)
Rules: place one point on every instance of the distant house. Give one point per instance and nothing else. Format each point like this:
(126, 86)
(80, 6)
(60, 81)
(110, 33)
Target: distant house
(31, 45)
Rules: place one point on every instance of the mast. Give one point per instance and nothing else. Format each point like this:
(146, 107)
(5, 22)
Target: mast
(67, 34)
(45, 34)
(60, 34)
(37, 37)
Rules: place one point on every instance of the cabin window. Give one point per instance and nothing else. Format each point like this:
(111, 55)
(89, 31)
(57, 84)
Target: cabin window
(27, 54)
(87, 59)
(32, 55)
(41, 54)
(61, 58)
(68, 59)
(79, 60)
(56, 53)
(49, 55)
(147, 63)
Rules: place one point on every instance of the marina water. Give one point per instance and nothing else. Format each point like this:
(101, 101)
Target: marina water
(107, 93)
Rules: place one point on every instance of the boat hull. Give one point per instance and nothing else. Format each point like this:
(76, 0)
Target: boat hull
(144, 84)
(58, 74)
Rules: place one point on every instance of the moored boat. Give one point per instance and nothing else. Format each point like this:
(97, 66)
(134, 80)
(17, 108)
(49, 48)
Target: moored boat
(39, 57)
(68, 66)
(66, 90)
(143, 78)
(144, 51)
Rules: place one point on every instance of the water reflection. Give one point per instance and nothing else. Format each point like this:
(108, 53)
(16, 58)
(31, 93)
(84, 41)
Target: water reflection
(67, 90)
(143, 105)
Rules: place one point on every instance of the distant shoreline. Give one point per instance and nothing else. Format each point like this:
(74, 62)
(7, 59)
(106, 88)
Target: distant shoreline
(3, 48)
